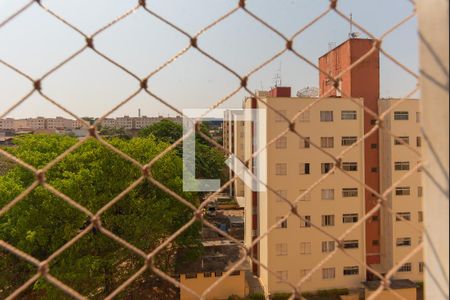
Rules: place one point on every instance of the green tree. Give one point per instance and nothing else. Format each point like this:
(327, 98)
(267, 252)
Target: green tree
(92, 175)
(210, 161)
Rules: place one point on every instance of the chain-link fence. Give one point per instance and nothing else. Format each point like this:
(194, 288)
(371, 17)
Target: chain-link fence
(95, 217)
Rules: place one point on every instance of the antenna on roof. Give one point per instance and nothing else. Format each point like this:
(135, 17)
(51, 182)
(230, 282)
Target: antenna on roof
(277, 78)
(351, 34)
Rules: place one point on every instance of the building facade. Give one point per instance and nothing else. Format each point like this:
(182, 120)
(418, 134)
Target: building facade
(406, 203)
(293, 165)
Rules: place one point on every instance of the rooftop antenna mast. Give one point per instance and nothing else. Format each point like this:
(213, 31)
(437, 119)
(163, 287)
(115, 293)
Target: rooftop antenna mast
(278, 79)
(351, 34)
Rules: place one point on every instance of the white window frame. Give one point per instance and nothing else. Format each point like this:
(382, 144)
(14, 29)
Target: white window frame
(350, 192)
(349, 140)
(328, 273)
(349, 115)
(281, 143)
(328, 220)
(350, 218)
(401, 116)
(305, 248)
(350, 271)
(281, 249)
(327, 194)
(327, 142)
(327, 116)
(403, 242)
(328, 246)
(281, 169)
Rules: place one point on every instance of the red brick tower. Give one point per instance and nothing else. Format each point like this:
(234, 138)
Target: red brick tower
(363, 81)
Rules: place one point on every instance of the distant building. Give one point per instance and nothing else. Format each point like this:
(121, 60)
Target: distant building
(217, 259)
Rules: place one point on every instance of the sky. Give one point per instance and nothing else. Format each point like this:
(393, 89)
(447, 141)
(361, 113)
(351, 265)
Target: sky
(34, 42)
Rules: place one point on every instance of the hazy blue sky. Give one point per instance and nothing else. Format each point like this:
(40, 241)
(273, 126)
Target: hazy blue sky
(89, 86)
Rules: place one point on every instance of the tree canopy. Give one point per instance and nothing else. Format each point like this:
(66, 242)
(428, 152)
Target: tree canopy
(92, 175)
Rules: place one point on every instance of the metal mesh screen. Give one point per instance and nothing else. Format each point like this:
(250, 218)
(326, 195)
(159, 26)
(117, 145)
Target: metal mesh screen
(194, 45)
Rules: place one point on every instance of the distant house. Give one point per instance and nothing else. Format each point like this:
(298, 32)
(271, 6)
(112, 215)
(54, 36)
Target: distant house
(217, 259)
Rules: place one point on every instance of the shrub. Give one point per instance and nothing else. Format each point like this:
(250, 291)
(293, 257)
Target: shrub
(281, 296)
(257, 296)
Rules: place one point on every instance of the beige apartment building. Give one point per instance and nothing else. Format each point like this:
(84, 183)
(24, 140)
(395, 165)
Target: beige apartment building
(233, 141)
(59, 123)
(399, 237)
(293, 165)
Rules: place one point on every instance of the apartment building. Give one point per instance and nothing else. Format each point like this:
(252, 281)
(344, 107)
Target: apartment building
(59, 123)
(399, 237)
(293, 166)
(233, 140)
(7, 124)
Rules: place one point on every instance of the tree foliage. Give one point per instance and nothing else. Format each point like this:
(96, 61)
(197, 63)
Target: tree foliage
(210, 161)
(92, 175)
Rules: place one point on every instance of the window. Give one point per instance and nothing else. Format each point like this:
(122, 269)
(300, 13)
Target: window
(326, 167)
(328, 273)
(401, 116)
(421, 267)
(305, 248)
(207, 274)
(402, 191)
(374, 170)
(401, 140)
(403, 242)
(283, 224)
(375, 218)
(305, 169)
(420, 216)
(403, 216)
(280, 195)
(351, 244)
(279, 116)
(405, 268)
(347, 193)
(349, 140)
(305, 222)
(281, 249)
(327, 142)
(375, 242)
(420, 192)
(402, 166)
(374, 146)
(305, 117)
(218, 274)
(350, 218)
(418, 117)
(235, 273)
(281, 169)
(328, 246)
(305, 143)
(349, 115)
(326, 116)
(305, 272)
(328, 220)
(281, 143)
(419, 141)
(350, 271)
(282, 276)
(350, 166)
(306, 197)
(327, 194)
(191, 276)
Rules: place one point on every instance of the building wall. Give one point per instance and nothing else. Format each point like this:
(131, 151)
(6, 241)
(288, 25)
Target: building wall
(362, 81)
(269, 208)
(413, 204)
(408, 294)
(232, 285)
